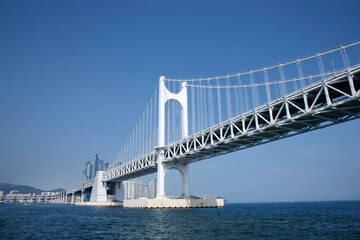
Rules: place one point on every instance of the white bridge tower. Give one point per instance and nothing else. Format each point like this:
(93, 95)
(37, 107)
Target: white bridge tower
(162, 167)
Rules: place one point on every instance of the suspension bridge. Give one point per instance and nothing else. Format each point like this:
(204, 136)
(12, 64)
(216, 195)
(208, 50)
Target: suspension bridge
(189, 120)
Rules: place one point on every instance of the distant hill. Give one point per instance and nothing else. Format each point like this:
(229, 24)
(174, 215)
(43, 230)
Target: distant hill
(7, 187)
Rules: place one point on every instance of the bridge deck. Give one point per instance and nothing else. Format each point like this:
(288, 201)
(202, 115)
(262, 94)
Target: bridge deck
(323, 104)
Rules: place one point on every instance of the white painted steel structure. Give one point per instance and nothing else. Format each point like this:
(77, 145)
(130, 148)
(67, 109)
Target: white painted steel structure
(323, 104)
(290, 106)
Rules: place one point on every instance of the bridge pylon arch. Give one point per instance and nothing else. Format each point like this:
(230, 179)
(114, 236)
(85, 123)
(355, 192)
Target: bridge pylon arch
(181, 97)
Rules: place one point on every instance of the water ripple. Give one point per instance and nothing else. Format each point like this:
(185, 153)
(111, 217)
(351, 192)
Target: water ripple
(311, 220)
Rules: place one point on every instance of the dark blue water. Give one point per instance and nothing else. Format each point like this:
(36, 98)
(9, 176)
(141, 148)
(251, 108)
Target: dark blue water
(308, 220)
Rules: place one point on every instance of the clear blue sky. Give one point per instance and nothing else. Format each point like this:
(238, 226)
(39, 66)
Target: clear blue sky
(76, 75)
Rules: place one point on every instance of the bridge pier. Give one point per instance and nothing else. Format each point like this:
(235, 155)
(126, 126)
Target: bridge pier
(163, 168)
(119, 192)
(98, 192)
(184, 170)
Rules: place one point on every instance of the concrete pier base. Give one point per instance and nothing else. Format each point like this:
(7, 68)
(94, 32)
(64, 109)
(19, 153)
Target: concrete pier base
(172, 203)
(109, 204)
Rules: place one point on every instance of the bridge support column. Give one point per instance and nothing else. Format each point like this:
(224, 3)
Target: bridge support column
(82, 196)
(185, 180)
(184, 171)
(161, 170)
(72, 197)
(182, 168)
(119, 192)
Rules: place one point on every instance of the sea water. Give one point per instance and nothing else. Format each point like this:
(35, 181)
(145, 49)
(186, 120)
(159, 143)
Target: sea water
(300, 220)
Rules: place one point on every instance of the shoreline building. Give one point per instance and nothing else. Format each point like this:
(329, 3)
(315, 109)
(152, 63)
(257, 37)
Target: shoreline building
(15, 197)
(99, 165)
(135, 188)
(88, 171)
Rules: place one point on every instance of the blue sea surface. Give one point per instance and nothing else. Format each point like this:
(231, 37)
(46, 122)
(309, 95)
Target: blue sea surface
(301, 220)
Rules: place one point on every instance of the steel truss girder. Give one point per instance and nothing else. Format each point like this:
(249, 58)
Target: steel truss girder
(306, 110)
(126, 171)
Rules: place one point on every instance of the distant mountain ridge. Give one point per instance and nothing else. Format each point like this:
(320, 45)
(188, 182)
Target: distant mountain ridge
(7, 187)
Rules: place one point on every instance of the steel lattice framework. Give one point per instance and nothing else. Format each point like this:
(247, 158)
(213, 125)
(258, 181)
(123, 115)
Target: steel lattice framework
(323, 104)
(141, 166)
